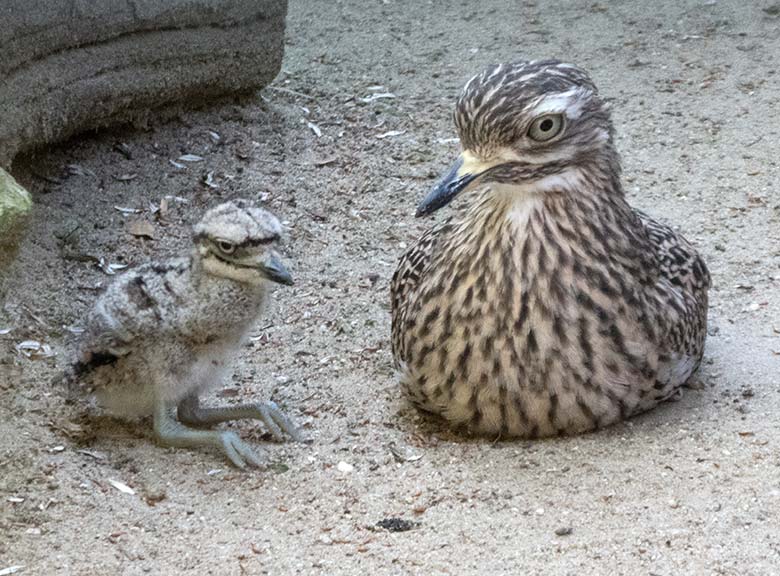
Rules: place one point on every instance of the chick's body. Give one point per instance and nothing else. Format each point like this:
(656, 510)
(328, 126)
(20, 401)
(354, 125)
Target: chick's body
(165, 332)
(173, 331)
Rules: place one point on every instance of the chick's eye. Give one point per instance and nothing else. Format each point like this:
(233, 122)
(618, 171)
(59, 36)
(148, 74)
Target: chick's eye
(226, 247)
(546, 127)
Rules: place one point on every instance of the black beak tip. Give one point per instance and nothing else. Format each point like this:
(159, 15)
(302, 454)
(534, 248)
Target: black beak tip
(444, 192)
(437, 198)
(284, 279)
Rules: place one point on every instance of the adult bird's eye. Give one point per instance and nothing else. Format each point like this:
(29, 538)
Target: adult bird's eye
(546, 127)
(226, 247)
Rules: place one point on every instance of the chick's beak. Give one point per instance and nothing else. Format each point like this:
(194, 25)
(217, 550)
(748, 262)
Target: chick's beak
(466, 169)
(274, 270)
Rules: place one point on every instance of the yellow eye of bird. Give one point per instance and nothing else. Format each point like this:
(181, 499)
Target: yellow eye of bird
(546, 127)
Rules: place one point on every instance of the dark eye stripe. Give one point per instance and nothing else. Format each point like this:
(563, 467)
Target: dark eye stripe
(248, 242)
(266, 240)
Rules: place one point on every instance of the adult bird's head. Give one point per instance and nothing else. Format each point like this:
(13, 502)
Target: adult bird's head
(533, 126)
(237, 240)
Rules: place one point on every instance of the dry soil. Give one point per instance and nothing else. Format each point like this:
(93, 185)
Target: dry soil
(690, 488)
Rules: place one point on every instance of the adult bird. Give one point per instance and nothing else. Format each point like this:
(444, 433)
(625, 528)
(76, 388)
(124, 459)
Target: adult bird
(546, 304)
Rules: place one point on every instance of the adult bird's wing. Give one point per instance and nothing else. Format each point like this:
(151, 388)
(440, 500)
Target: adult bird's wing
(682, 290)
(405, 284)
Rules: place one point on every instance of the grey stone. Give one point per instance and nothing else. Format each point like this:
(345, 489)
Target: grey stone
(15, 205)
(73, 65)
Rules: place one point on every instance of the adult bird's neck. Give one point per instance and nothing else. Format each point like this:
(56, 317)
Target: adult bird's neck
(581, 204)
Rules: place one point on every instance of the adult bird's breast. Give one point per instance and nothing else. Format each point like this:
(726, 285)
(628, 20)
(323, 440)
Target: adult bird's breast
(506, 335)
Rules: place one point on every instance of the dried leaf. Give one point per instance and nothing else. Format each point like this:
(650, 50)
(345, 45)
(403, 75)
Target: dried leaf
(141, 229)
(124, 150)
(405, 456)
(326, 161)
(121, 486)
(176, 164)
(4, 331)
(11, 570)
(69, 428)
(78, 170)
(314, 128)
(190, 158)
(93, 454)
(215, 137)
(125, 177)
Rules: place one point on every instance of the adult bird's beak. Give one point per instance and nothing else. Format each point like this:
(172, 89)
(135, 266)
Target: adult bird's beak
(274, 270)
(466, 169)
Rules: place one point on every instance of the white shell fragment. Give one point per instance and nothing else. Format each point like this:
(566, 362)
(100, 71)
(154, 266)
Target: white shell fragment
(34, 350)
(314, 128)
(379, 96)
(390, 134)
(121, 486)
(109, 268)
(209, 180)
(190, 158)
(125, 210)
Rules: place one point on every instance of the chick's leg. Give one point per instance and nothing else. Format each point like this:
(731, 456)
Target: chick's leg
(191, 412)
(171, 432)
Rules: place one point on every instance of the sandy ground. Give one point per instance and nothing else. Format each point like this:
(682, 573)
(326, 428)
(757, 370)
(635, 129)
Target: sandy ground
(691, 488)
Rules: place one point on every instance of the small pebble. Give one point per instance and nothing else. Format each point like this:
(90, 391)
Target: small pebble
(397, 524)
(563, 531)
(345, 467)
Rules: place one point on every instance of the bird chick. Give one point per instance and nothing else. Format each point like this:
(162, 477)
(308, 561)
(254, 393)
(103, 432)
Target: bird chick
(545, 305)
(165, 332)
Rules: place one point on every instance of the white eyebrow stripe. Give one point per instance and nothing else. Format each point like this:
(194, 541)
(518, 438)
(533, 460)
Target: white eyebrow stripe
(569, 102)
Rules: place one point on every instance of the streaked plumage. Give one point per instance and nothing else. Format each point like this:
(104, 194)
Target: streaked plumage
(165, 332)
(545, 304)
